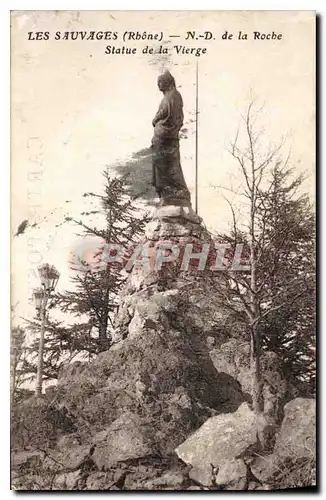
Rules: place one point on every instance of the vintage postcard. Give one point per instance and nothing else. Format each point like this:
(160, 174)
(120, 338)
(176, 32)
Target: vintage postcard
(163, 250)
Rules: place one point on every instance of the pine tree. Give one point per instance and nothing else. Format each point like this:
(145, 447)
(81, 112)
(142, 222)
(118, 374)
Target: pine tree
(62, 344)
(17, 359)
(289, 223)
(96, 288)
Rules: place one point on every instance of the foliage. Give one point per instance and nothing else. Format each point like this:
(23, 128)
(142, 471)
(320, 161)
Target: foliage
(61, 345)
(289, 224)
(278, 238)
(18, 353)
(96, 287)
(295, 473)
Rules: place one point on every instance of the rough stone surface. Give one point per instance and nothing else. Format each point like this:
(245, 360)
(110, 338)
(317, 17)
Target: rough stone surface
(292, 462)
(60, 482)
(24, 458)
(264, 467)
(221, 438)
(72, 479)
(68, 459)
(297, 437)
(73, 457)
(202, 475)
(125, 439)
(232, 475)
(168, 481)
(67, 442)
(100, 480)
(156, 474)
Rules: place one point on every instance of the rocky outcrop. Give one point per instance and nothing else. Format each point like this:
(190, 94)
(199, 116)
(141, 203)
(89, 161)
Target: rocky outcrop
(221, 438)
(159, 378)
(168, 406)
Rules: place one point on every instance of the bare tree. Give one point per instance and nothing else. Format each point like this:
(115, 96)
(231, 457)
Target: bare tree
(266, 287)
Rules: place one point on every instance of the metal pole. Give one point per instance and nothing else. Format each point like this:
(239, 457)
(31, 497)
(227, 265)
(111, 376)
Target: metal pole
(196, 176)
(39, 376)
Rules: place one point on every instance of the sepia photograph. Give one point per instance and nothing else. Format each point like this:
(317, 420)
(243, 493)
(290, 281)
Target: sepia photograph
(163, 250)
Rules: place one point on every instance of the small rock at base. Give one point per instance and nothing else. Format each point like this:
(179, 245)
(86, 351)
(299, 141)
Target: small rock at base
(72, 478)
(232, 474)
(202, 475)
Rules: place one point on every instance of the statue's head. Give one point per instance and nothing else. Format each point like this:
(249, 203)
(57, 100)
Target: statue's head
(165, 81)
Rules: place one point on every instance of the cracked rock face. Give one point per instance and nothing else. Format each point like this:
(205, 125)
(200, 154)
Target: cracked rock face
(220, 439)
(297, 436)
(157, 383)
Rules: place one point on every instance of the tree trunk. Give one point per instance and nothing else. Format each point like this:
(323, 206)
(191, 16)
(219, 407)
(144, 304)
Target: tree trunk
(103, 340)
(257, 401)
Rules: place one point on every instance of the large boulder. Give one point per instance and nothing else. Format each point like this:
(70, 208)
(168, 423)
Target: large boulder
(125, 439)
(232, 475)
(297, 436)
(157, 383)
(221, 438)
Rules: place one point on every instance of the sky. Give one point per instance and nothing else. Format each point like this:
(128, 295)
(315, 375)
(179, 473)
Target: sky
(76, 110)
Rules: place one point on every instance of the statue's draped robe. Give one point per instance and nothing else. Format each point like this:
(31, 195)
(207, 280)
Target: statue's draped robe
(168, 178)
